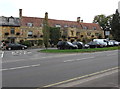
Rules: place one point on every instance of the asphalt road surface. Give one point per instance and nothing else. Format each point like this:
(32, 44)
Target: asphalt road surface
(29, 68)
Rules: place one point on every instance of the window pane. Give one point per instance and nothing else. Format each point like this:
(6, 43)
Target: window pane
(12, 31)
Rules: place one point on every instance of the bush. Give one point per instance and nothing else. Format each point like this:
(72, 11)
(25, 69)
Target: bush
(40, 42)
(27, 43)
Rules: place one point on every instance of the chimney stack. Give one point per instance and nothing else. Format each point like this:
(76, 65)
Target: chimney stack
(78, 19)
(20, 13)
(46, 15)
(81, 21)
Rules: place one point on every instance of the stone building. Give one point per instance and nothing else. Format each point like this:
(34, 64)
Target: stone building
(10, 29)
(30, 29)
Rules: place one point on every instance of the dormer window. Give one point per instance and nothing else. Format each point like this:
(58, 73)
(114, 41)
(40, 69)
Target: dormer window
(85, 27)
(11, 20)
(72, 26)
(94, 28)
(65, 26)
(29, 24)
(57, 25)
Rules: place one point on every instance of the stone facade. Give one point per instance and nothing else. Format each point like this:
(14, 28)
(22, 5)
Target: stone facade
(10, 29)
(30, 29)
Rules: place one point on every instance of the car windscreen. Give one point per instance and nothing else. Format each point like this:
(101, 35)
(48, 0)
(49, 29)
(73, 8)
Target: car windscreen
(60, 43)
(69, 43)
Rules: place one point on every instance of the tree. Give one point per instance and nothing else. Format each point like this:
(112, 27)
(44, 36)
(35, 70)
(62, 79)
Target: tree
(103, 21)
(46, 31)
(115, 26)
(54, 35)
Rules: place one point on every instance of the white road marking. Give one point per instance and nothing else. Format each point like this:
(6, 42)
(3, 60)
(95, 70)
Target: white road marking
(2, 54)
(21, 67)
(63, 55)
(77, 59)
(20, 52)
(112, 54)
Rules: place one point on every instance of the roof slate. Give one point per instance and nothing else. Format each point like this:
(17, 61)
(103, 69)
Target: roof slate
(37, 22)
(9, 21)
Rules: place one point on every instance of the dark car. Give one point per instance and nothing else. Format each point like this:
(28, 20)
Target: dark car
(79, 44)
(15, 46)
(66, 45)
(94, 44)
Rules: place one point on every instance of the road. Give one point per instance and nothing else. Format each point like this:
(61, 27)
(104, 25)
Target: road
(29, 68)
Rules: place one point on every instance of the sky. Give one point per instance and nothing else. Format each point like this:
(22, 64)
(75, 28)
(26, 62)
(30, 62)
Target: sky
(59, 9)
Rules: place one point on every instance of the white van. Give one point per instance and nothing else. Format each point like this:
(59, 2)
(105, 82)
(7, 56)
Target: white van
(101, 41)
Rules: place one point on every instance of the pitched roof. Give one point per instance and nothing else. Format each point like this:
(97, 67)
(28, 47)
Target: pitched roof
(91, 26)
(37, 22)
(9, 21)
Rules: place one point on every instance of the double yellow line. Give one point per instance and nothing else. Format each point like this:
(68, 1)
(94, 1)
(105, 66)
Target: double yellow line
(81, 77)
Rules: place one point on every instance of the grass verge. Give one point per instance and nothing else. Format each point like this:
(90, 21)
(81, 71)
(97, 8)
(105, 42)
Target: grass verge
(79, 50)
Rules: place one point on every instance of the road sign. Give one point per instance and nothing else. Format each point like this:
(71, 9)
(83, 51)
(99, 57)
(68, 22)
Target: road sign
(107, 33)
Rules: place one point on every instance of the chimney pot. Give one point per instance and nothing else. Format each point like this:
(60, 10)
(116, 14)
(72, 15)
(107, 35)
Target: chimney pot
(46, 15)
(20, 13)
(78, 19)
(81, 21)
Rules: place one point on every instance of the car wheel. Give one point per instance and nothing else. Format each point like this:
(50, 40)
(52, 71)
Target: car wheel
(9, 48)
(23, 48)
(59, 48)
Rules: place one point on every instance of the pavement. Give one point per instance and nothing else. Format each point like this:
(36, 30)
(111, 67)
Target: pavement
(29, 68)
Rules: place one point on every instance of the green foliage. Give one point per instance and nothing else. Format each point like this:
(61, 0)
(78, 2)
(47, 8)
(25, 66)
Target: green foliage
(27, 43)
(46, 31)
(54, 35)
(80, 50)
(40, 42)
(115, 25)
(103, 21)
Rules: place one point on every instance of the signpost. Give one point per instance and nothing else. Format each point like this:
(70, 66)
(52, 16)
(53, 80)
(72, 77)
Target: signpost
(107, 33)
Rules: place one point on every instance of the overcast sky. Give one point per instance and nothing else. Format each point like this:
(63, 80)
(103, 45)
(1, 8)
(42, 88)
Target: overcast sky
(59, 9)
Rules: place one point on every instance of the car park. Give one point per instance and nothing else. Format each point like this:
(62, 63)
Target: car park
(15, 46)
(66, 45)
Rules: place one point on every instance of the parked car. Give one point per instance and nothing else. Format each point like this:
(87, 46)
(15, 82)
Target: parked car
(102, 42)
(115, 43)
(15, 46)
(79, 44)
(95, 44)
(110, 43)
(66, 45)
(86, 46)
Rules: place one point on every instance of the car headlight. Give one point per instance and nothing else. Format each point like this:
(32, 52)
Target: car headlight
(25, 46)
